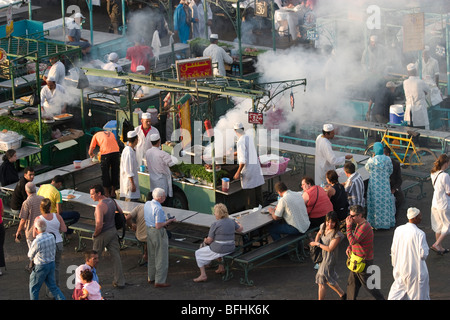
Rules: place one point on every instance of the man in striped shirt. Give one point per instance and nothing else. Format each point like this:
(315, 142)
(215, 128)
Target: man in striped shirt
(354, 186)
(361, 244)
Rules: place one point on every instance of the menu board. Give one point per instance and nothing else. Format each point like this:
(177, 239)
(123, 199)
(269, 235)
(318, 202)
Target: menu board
(413, 32)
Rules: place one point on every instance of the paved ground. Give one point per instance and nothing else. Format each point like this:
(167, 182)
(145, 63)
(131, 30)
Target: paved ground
(281, 279)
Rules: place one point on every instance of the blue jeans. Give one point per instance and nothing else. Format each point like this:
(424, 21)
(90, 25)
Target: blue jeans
(44, 273)
(281, 227)
(70, 217)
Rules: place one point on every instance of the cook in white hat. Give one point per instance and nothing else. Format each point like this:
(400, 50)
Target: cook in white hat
(325, 158)
(129, 182)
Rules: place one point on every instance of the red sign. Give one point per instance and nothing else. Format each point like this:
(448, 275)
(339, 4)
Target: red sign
(191, 69)
(255, 118)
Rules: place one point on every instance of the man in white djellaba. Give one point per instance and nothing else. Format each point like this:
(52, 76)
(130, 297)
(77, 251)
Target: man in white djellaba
(409, 251)
(325, 158)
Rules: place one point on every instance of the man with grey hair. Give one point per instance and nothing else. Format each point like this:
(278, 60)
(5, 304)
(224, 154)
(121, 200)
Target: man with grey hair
(157, 239)
(409, 251)
(29, 211)
(42, 252)
(380, 101)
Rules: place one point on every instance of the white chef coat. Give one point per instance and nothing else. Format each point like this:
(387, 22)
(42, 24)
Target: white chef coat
(325, 160)
(415, 89)
(144, 142)
(198, 28)
(111, 66)
(409, 251)
(53, 101)
(251, 174)
(58, 71)
(129, 168)
(218, 55)
(158, 164)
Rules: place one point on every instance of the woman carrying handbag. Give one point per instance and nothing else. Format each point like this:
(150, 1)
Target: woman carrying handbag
(328, 239)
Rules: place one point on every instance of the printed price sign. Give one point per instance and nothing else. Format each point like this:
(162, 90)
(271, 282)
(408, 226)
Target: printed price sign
(255, 118)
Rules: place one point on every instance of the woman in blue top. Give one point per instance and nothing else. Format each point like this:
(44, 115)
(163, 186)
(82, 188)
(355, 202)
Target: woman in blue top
(220, 241)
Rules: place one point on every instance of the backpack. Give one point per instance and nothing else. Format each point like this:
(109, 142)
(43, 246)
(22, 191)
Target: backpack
(120, 221)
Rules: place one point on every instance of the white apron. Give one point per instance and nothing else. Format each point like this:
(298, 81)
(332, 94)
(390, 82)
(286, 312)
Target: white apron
(129, 168)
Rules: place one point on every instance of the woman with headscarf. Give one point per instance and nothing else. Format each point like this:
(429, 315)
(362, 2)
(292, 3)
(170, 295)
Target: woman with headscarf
(380, 201)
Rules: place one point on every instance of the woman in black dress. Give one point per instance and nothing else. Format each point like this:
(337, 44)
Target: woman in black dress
(8, 172)
(337, 194)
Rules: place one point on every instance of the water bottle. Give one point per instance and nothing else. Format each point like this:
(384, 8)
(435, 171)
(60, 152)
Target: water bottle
(233, 70)
(237, 71)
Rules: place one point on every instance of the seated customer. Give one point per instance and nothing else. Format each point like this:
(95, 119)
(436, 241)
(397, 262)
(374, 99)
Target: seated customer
(317, 202)
(51, 191)
(220, 241)
(8, 172)
(290, 214)
(19, 194)
(354, 186)
(337, 194)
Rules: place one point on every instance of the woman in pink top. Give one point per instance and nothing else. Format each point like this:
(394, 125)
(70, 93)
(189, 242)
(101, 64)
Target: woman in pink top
(317, 202)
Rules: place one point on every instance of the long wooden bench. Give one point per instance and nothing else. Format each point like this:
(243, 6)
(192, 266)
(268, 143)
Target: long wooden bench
(289, 244)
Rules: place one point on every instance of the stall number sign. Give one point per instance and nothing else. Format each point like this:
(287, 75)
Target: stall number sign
(255, 118)
(191, 69)
(261, 8)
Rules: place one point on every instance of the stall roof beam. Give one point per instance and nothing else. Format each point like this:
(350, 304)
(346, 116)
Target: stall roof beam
(201, 88)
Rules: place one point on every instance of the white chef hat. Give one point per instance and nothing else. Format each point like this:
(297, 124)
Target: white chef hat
(113, 56)
(155, 137)
(214, 36)
(140, 68)
(426, 48)
(412, 213)
(51, 78)
(238, 125)
(328, 127)
(79, 15)
(411, 67)
(146, 115)
(131, 134)
(390, 84)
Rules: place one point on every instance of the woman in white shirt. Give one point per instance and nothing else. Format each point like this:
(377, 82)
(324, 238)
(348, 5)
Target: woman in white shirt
(55, 225)
(440, 209)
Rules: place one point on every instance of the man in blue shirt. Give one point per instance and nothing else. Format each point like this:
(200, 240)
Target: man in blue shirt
(157, 239)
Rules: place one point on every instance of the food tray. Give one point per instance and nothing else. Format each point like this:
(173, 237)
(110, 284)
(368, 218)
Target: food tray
(63, 116)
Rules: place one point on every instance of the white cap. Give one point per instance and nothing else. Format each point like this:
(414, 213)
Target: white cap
(411, 67)
(113, 56)
(155, 137)
(131, 134)
(51, 78)
(427, 48)
(79, 15)
(214, 36)
(390, 84)
(412, 213)
(146, 115)
(328, 127)
(140, 68)
(238, 126)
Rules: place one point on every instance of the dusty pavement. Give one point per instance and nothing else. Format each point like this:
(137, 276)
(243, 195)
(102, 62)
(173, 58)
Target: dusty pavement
(276, 281)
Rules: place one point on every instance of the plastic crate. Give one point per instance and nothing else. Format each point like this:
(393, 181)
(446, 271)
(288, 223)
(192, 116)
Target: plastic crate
(15, 143)
(275, 167)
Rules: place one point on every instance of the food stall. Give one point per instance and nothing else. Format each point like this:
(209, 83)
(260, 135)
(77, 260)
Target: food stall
(56, 136)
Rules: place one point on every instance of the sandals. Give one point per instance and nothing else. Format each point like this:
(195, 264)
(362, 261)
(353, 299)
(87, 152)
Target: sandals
(439, 252)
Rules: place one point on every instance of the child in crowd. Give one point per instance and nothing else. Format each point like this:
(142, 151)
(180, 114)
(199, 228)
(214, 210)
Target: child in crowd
(91, 288)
